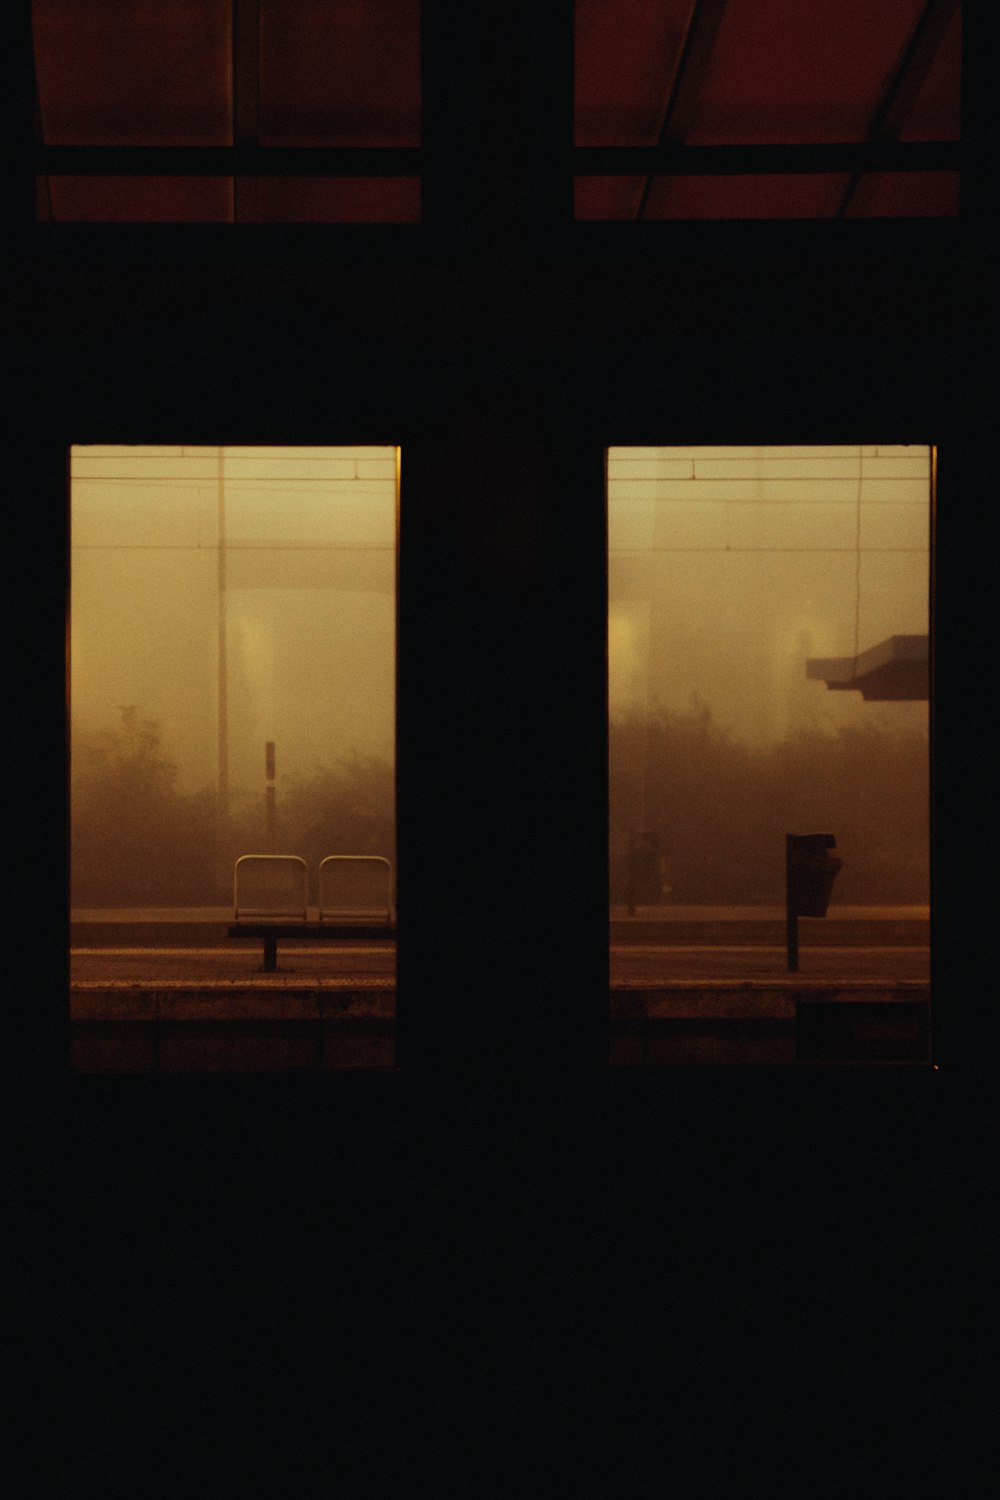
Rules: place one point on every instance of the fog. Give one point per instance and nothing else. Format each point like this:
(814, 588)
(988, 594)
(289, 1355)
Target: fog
(224, 598)
(207, 587)
(728, 569)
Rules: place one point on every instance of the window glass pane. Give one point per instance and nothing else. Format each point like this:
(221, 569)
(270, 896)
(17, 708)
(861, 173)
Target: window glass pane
(627, 53)
(221, 200)
(759, 73)
(784, 70)
(798, 195)
(232, 693)
(196, 73)
(340, 74)
(139, 73)
(778, 71)
(936, 111)
(135, 200)
(741, 582)
(916, 195)
(331, 200)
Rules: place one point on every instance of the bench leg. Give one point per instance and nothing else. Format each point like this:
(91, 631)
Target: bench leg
(270, 955)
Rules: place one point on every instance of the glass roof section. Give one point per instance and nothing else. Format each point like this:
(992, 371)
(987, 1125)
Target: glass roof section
(340, 74)
(310, 110)
(233, 75)
(677, 75)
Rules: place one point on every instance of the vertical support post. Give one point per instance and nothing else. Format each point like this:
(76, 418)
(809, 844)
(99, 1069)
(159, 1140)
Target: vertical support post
(505, 968)
(270, 835)
(270, 955)
(791, 914)
(223, 695)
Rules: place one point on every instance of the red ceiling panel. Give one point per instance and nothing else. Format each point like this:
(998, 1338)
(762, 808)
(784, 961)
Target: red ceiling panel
(141, 73)
(794, 71)
(347, 73)
(212, 200)
(607, 197)
(936, 114)
(627, 53)
(788, 195)
(344, 74)
(779, 72)
(338, 200)
(161, 73)
(921, 195)
(765, 196)
(800, 71)
(135, 200)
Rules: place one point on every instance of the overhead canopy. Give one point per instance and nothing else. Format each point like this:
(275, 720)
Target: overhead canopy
(310, 110)
(896, 670)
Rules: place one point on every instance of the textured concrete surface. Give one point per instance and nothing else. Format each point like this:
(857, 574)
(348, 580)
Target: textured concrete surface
(332, 967)
(168, 992)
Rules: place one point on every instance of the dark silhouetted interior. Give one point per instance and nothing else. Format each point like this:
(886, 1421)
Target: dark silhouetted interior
(505, 346)
(502, 1260)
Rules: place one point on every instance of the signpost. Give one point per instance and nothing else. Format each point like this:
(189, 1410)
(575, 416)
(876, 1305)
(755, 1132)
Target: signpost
(809, 877)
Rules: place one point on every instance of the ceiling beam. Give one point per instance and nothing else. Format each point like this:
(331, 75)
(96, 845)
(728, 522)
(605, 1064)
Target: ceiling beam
(708, 161)
(227, 161)
(405, 161)
(900, 94)
(497, 122)
(696, 55)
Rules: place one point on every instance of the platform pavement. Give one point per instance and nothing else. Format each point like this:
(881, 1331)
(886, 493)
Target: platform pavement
(168, 989)
(359, 980)
(167, 1006)
(850, 925)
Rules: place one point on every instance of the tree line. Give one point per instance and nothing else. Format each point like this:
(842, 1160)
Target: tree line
(136, 840)
(719, 810)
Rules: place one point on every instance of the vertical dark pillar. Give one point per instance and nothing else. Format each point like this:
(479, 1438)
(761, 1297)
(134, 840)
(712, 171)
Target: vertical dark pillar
(501, 777)
(497, 128)
(502, 836)
(37, 744)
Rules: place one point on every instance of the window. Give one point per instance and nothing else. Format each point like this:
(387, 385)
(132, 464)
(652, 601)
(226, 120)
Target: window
(768, 676)
(232, 693)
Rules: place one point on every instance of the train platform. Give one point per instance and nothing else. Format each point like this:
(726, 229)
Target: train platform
(764, 924)
(145, 997)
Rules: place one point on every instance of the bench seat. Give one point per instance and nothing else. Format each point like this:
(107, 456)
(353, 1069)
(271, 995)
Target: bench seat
(269, 931)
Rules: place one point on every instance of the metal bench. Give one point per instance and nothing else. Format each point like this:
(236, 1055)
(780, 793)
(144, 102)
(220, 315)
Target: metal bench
(270, 899)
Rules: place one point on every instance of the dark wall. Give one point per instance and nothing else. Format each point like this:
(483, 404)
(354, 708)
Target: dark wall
(526, 356)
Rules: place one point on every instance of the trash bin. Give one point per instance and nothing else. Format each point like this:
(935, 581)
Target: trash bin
(810, 872)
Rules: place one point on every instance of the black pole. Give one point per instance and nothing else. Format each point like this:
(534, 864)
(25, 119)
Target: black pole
(791, 915)
(270, 836)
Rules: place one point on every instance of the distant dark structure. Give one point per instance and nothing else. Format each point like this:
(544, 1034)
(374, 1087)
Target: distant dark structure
(894, 671)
